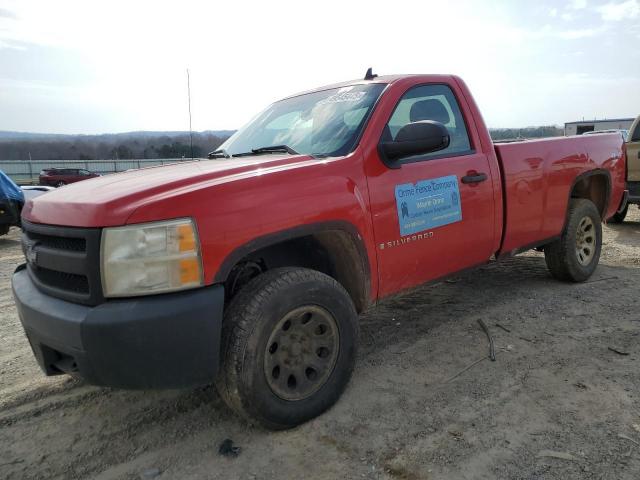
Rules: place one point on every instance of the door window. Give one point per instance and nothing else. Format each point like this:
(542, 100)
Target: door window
(431, 102)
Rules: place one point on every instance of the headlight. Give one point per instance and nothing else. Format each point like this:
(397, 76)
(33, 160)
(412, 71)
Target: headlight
(150, 258)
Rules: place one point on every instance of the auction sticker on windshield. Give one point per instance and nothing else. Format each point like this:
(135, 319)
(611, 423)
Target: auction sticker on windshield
(428, 204)
(343, 95)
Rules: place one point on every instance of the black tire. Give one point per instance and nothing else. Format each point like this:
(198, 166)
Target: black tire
(565, 260)
(250, 322)
(620, 216)
(4, 229)
(60, 184)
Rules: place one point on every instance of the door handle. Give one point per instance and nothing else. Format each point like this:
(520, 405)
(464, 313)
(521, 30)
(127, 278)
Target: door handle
(475, 178)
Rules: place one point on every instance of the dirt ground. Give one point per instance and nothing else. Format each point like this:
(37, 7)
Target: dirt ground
(555, 387)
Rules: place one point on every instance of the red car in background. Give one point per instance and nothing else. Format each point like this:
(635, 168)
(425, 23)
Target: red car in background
(58, 177)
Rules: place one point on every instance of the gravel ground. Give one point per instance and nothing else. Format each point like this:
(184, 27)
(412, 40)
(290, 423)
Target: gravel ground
(555, 387)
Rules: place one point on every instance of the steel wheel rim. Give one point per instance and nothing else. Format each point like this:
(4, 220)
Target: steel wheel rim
(301, 352)
(585, 241)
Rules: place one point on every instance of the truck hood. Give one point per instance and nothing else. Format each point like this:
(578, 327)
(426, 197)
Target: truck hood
(110, 200)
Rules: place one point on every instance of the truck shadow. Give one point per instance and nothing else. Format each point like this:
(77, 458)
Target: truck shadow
(402, 320)
(627, 233)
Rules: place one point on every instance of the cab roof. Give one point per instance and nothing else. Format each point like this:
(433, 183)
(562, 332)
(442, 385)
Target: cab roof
(385, 79)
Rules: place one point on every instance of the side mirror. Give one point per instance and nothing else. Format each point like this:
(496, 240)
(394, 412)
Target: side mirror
(415, 138)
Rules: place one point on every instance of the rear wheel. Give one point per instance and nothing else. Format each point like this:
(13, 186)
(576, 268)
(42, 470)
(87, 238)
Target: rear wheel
(4, 229)
(60, 183)
(574, 257)
(289, 343)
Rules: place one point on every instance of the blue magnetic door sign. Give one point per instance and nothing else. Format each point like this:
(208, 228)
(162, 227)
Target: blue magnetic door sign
(428, 204)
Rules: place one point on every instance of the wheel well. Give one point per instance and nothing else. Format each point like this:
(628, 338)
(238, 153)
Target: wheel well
(594, 187)
(333, 252)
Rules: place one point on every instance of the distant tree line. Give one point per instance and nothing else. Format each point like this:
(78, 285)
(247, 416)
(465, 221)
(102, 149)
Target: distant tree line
(142, 145)
(527, 132)
(111, 146)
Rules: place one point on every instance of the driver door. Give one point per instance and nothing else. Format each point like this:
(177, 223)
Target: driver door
(433, 214)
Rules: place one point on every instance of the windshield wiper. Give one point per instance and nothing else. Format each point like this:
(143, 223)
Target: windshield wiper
(220, 153)
(275, 149)
(254, 151)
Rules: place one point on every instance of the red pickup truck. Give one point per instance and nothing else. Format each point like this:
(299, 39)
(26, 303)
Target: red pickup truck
(250, 269)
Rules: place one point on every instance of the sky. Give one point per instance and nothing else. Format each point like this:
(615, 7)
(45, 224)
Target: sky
(84, 66)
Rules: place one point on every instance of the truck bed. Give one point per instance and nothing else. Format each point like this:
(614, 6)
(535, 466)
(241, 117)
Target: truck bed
(538, 176)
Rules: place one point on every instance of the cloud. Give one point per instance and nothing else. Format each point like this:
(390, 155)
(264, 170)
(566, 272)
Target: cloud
(4, 13)
(106, 65)
(570, 10)
(11, 45)
(614, 12)
(578, 4)
(580, 33)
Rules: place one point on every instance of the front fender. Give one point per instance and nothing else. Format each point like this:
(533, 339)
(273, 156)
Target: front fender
(237, 216)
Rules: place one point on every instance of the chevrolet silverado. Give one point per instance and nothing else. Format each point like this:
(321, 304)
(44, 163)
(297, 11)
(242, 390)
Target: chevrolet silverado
(250, 269)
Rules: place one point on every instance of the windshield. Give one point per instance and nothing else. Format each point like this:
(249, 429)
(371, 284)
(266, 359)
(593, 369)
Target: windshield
(326, 123)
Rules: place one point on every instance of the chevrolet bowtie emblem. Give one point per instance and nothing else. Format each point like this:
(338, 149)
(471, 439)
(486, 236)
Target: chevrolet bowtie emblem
(31, 254)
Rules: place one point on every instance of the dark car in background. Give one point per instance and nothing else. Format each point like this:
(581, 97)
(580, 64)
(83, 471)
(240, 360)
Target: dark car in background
(58, 177)
(11, 203)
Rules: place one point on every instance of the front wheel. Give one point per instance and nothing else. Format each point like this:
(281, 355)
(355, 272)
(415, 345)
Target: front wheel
(575, 255)
(61, 183)
(289, 347)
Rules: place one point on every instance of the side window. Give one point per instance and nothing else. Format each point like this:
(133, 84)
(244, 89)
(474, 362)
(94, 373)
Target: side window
(431, 102)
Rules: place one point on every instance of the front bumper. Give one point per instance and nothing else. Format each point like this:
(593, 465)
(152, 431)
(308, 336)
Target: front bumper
(163, 341)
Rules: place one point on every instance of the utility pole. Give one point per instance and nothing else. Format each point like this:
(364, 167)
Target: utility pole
(189, 101)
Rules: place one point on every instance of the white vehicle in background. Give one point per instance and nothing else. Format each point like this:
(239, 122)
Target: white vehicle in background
(33, 191)
(583, 126)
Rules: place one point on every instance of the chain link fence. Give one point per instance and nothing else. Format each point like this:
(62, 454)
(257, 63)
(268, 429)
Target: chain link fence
(26, 172)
